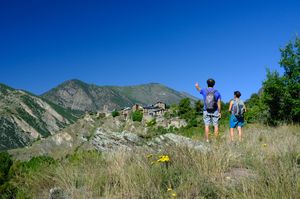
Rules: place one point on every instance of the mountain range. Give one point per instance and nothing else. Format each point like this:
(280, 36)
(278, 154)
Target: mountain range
(80, 96)
(25, 117)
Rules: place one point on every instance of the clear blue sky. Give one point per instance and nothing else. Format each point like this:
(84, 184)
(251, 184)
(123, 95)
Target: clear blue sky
(176, 43)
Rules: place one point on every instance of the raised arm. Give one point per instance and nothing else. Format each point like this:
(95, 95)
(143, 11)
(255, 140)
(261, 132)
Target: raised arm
(197, 86)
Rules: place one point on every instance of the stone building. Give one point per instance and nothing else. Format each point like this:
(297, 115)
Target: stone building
(137, 107)
(153, 111)
(126, 112)
(160, 105)
(156, 110)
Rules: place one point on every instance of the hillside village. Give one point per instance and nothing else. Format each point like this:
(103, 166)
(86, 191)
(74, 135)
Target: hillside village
(155, 110)
(150, 113)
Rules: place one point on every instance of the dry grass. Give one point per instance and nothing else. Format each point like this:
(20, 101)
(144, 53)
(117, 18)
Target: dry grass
(265, 165)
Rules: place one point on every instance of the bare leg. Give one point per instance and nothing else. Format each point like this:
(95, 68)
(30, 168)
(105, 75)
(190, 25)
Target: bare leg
(240, 133)
(207, 133)
(216, 131)
(231, 134)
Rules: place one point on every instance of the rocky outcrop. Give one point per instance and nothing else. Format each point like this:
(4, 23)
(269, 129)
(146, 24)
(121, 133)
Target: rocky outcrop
(105, 141)
(172, 122)
(105, 135)
(112, 141)
(171, 139)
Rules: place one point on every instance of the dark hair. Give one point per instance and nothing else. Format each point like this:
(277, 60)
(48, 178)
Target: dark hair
(237, 94)
(210, 82)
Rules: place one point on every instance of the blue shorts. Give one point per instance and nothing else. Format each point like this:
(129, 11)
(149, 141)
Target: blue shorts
(211, 118)
(236, 121)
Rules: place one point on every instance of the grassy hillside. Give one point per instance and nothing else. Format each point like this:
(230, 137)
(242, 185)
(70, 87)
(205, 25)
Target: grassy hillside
(25, 117)
(265, 165)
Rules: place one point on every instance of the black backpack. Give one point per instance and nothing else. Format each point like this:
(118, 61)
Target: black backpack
(211, 101)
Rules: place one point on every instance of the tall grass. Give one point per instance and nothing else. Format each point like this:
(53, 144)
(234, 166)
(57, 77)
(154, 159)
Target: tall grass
(265, 165)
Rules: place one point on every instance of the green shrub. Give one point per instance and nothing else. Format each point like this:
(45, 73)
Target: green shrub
(115, 113)
(184, 107)
(167, 115)
(137, 116)
(199, 107)
(37, 162)
(5, 164)
(151, 122)
(193, 122)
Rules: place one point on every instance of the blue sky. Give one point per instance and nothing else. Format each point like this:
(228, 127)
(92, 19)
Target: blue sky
(176, 43)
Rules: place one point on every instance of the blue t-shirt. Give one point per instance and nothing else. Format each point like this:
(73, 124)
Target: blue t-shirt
(203, 92)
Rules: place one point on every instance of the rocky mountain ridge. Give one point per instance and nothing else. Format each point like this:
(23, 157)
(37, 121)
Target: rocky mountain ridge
(78, 95)
(25, 117)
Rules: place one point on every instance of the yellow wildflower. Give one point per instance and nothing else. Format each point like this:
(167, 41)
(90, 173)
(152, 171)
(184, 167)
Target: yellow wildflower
(264, 145)
(174, 194)
(164, 158)
(169, 189)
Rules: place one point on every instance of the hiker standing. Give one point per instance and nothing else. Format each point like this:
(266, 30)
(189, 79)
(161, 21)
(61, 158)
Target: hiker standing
(237, 109)
(212, 107)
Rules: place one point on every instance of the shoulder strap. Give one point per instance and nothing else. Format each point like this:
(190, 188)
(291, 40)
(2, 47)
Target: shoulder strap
(212, 91)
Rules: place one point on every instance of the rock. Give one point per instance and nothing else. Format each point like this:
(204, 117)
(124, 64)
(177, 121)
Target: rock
(178, 140)
(173, 122)
(88, 118)
(236, 176)
(177, 123)
(104, 140)
(57, 193)
(148, 118)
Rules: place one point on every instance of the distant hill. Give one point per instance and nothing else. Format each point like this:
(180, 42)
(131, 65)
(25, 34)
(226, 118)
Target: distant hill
(25, 117)
(80, 96)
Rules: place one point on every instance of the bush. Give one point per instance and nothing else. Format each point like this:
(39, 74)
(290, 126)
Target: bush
(115, 113)
(5, 164)
(199, 107)
(151, 123)
(184, 106)
(193, 122)
(37, 162)
(137, 116)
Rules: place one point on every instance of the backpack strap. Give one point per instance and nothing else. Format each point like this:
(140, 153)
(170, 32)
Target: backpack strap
(212, 91)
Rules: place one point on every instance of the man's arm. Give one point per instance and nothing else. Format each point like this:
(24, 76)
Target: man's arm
(219, 107)
(197, 86)
(230, 105)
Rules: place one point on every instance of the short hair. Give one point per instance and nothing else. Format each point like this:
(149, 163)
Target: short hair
(210, 82)
(237, 94)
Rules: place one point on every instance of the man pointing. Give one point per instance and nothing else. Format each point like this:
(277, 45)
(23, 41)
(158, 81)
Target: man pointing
(212, 107)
